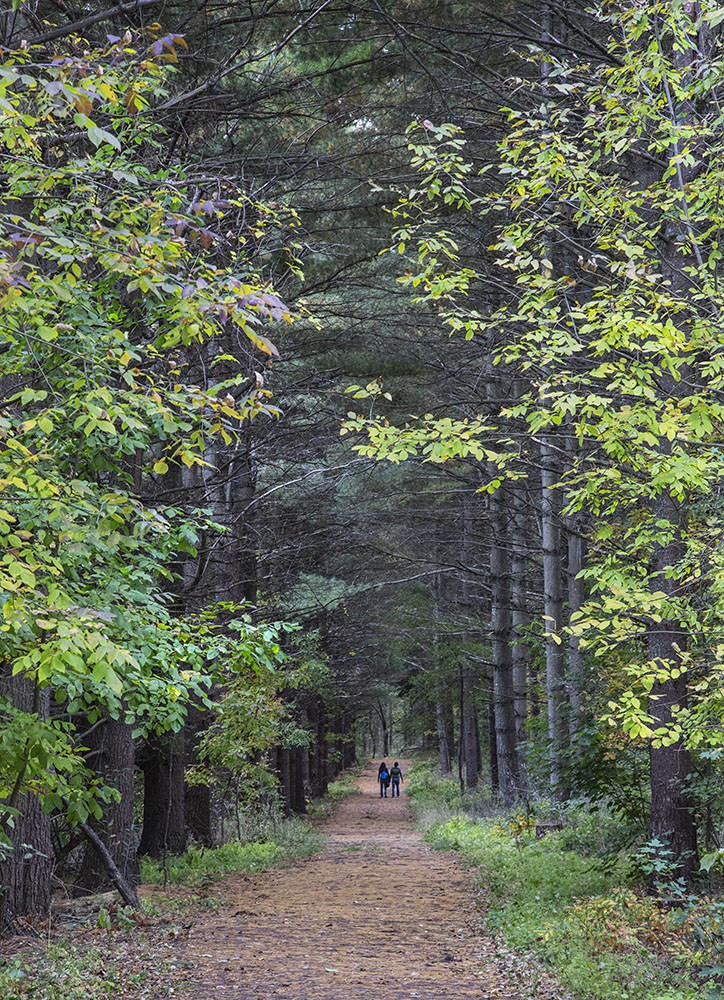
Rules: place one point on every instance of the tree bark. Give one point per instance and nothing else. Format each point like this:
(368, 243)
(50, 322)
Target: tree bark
(114, 761)
(442, 737)
(468, 712)
(672, 809)
(164, 827)
(298, 798)
(520, 623)
(26, 872)
(470, 743)
(492, 747)
(286, 780)
(553, 621)
(576, 600)
(197, 798)
(382, 716)
(501, 622)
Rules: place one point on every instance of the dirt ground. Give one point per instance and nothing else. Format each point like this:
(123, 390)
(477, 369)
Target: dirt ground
(377, 915)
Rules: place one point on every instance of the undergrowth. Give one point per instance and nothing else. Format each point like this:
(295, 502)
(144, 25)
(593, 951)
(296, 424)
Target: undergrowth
(286, 838)
(577, 909)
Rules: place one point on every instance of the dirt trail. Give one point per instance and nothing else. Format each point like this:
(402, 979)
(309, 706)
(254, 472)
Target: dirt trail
(377, 915)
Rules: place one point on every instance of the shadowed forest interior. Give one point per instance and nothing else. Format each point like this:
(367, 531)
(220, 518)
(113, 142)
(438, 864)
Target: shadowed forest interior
(362, 397)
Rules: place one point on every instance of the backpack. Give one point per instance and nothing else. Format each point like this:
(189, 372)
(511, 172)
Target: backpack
(383, 776)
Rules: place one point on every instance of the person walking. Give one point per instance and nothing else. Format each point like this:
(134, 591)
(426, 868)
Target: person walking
(396, 776)
(383, 776)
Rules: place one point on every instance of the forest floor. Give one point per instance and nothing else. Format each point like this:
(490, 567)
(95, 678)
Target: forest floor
(376, 915)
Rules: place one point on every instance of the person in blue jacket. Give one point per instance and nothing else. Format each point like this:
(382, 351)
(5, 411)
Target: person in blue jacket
(383, 776)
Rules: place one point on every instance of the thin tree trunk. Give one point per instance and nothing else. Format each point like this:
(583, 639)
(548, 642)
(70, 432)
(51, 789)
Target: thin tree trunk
(382, 716)
(286, 779)
(468, 679)
(672, 808)
(461, 732)
(449, 722)
(125, 888)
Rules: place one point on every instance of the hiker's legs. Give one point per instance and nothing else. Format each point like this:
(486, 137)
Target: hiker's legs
(395, 785)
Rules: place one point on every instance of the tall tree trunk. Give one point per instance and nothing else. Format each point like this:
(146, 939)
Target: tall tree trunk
(382, 716)
(470, 751)
(501, 622)
(285, 775)
(492, 747)
(242, 487)
(306, 753)
(442, 737)
(672, 809)
(317, 762)
(576, 600)
(349, 752)
(520, 622)
(553, 620)
(114, 761)
(461, 731)
(299, 798)
(468, 680)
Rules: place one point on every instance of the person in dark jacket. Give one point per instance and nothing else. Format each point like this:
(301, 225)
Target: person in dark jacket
(396, 776)
(383, 776)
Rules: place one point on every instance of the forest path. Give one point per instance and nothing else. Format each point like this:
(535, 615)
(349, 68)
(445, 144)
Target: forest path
(376, 915)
